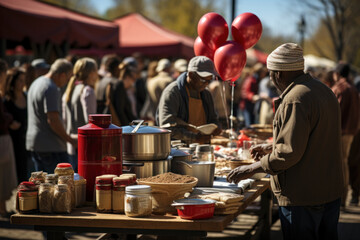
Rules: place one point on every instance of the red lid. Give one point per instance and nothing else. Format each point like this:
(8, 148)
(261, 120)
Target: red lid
(121, 181)
(64, 165)
(104, 179)
(28, 184)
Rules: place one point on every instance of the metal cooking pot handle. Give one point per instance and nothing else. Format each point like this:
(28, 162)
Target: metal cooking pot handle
(137, 126)
(182, 162)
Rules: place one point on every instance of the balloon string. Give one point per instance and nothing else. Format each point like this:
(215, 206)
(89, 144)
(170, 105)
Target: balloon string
(232, 110)
(223, 98)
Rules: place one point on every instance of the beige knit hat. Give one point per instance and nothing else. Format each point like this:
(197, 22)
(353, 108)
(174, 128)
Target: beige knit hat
(287, 57)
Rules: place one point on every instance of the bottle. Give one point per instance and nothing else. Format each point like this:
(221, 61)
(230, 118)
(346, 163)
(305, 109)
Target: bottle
(138, 202)
(27, 198)
(52, 178)
(242, 137)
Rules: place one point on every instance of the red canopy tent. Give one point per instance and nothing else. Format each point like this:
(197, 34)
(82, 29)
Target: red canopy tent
(139, 34)
(41, 22)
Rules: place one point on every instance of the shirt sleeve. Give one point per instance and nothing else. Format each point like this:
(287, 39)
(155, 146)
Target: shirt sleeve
(52, 100)
(292, 131)
(88, 102)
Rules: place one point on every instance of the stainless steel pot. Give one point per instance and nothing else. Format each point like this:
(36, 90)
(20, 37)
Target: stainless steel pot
(141, 142)
(144, 169)
(203, 171)
(179, 155)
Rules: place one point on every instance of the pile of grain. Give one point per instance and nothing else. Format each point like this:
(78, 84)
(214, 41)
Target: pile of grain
(169, 178)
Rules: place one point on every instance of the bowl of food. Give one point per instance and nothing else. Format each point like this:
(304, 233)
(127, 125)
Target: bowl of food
(195, 208)
(167, 187)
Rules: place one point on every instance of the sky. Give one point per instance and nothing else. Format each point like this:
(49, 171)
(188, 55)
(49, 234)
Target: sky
(280, 16)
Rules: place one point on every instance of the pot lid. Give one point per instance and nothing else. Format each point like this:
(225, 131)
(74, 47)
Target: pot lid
(175, 152)
(138, 127)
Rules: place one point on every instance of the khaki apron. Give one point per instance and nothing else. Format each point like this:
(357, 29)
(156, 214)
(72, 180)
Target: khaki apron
(196, 111)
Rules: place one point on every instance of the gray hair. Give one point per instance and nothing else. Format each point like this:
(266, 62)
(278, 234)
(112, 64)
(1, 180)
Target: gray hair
(61, 65)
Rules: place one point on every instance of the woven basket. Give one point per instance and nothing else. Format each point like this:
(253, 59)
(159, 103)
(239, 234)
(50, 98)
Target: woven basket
(163, 194)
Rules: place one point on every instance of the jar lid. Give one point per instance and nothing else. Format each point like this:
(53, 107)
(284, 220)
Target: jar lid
(138, 189)
(122, 180)
(64, 165)
(76, 176)
(46, 185)
(37, 174)
(27, 184)
(105, 179)
(204, 148)
(62, 186)
(52, 176)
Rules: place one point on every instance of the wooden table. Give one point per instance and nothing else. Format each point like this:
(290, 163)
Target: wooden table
(86, 219)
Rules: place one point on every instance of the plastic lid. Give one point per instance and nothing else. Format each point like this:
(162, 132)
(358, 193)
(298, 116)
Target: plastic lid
(105, 179)
(138, 189)
(64, 165)
(76, 176)
(100, 119)
(122, 180)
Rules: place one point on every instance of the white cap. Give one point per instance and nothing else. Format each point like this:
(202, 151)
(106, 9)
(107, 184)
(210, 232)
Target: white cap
(163, 64)
(180, 65)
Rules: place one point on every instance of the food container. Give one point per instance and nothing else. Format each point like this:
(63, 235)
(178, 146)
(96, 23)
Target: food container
(52, 178)
(138, 202)
(27, 198)
(195, 208)
(205, 153)
(80, 190)
(99, 150)
(62, 199)
(163, 194)
(203, 171)
(142, 142)
(118, 192)
(46, 193)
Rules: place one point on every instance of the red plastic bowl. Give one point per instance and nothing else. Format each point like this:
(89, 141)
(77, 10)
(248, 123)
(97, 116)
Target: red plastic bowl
(195, 208)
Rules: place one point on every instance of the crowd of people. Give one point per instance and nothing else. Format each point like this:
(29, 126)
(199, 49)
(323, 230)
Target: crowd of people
(43, 105)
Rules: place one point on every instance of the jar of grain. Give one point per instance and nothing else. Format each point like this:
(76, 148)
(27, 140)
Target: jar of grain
(46, 193)
(52, 178)
(69, 180)
(37, 178)
(62, 199)
(27, 198)
(118, 193)
(103, 198)
(80, 190)
(64, 169)
(138, 201)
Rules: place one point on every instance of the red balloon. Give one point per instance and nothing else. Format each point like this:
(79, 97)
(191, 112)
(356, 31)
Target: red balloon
(246, 29)
(213, 30)
(201, 49)
(229, 60)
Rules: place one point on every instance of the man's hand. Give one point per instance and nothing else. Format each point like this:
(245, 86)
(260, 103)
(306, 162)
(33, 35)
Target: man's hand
(244, 172)
(260, 150)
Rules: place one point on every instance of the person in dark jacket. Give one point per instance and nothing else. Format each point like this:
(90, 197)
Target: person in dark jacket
(186, 102)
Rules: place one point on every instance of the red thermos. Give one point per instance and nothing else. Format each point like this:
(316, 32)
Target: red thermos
(99, 150)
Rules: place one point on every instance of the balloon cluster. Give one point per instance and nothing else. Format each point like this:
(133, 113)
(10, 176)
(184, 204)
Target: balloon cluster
(229, 57)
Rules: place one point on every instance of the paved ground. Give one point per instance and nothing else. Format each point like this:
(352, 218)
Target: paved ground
(349, 228)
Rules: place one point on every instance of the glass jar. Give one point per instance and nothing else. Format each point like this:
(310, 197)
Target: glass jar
(205, 153)
(52, 178)
(37, 177)
(103, 198)
(46, 193)
(69, 180)
(64, 169)
(138, 201)
(27, 198)
(80, 190)
(62, 199)
(118, 193)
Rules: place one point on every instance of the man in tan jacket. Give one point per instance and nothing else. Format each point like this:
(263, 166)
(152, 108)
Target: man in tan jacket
(305, 157)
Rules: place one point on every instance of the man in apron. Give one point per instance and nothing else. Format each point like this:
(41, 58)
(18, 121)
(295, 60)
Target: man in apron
(186, 103)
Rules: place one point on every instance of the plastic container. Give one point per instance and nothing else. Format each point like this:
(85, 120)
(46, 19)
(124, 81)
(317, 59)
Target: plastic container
(138, 202)
(27, 198)
(99, 150)
(195, 208)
